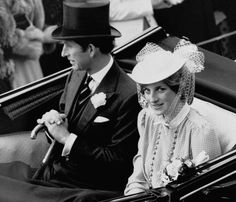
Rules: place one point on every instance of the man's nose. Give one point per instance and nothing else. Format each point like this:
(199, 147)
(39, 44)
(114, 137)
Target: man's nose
(63, 51)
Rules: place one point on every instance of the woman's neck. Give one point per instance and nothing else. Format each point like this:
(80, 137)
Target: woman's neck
(173, 111)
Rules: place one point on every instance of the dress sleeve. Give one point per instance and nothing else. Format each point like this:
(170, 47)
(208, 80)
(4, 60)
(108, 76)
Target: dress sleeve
(39, 14)
(204, 139)
(137, 181)
(128, 10)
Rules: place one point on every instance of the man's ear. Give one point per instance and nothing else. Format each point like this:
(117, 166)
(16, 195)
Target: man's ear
(92, 50)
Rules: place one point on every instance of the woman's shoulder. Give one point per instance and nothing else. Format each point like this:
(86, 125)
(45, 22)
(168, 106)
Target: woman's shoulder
(145, 114)
(146, 118)
(142, 117)
(198, 121)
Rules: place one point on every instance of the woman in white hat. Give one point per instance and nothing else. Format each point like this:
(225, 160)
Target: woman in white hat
(169, 128)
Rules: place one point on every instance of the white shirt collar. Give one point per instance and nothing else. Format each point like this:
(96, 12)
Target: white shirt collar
(98, 76)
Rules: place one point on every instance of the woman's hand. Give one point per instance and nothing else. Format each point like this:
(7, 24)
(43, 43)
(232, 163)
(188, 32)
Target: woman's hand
(34, 33)
(47, 34)
(29, 43)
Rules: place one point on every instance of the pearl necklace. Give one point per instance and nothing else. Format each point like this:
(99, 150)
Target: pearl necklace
(170, 153)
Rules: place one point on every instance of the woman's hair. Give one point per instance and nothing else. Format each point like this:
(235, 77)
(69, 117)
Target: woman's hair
(105, 45)
(174, 82)
(182, 82)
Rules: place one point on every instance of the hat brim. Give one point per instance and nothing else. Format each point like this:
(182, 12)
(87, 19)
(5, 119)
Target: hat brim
(60, 34)
(156, 67)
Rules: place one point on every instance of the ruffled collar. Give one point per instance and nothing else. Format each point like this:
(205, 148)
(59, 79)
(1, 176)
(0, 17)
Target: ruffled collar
(175, 122)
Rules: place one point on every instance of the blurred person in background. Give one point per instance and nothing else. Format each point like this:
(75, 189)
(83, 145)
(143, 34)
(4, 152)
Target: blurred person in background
(51, 60)
(226, 18)
(132, 17)
(228, 8)
(7, 39)
(193, 19)
(29, 22)
(22, 48)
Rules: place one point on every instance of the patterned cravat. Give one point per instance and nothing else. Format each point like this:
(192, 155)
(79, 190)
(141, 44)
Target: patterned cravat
(80, 100)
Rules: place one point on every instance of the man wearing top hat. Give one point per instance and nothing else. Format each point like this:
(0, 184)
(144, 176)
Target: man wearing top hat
(95, 131)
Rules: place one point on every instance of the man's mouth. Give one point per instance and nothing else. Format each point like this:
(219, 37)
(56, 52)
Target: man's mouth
(71, 61)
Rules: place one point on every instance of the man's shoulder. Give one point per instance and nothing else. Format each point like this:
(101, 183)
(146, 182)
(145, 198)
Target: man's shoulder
(126, 83)
(124, 76)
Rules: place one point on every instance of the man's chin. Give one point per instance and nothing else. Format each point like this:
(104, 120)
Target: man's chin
(75, 67)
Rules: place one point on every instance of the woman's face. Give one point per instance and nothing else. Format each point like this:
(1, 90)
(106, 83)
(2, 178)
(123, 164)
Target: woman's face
(159, 97)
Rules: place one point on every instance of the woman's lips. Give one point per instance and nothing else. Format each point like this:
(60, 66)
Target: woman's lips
(157, 106)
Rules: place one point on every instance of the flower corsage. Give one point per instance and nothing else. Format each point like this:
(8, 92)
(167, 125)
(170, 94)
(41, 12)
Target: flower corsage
(180, 169)
(98, 99)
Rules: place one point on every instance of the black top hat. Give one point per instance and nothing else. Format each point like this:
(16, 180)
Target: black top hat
(85, 19)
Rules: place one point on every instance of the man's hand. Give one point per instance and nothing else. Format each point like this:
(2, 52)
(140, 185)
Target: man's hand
(56, 124)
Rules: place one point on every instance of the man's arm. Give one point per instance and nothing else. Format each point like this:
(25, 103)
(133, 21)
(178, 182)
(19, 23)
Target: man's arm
(113, 159)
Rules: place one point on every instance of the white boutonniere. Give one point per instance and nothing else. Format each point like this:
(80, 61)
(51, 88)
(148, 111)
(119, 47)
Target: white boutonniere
(98, 100)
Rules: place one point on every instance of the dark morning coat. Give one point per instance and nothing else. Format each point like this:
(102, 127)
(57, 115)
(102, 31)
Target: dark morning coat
(101, 156)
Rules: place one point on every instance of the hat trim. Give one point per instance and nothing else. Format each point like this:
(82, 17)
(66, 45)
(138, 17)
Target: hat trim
(57, 34)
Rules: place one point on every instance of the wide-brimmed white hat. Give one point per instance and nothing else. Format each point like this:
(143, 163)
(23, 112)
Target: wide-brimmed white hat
(157, 66)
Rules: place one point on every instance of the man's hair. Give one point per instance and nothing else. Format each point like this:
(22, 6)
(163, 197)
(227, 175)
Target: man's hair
(105, 45)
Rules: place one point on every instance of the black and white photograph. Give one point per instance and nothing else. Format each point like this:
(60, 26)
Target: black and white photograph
(117, 100)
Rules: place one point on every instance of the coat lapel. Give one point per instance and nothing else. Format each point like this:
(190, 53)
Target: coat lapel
(107, 86)
(76, 80)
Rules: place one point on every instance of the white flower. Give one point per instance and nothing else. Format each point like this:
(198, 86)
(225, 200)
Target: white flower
(98, 100)
(173, 169)
(189, 163)
(201, 158)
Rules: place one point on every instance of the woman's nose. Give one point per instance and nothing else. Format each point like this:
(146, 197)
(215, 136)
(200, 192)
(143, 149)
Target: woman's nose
(153, 97)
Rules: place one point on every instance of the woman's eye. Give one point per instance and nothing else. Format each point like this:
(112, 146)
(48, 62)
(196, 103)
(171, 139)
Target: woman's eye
(146, 91)
(161, 89)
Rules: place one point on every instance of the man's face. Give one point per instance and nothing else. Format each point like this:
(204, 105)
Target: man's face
(79, 59)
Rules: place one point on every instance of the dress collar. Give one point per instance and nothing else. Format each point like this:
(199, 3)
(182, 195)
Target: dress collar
(180, 116)
(175, 122)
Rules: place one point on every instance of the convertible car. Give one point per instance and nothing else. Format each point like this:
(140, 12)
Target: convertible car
(215, 98)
